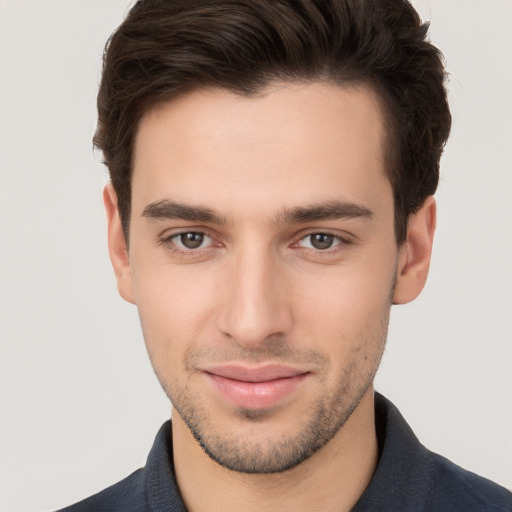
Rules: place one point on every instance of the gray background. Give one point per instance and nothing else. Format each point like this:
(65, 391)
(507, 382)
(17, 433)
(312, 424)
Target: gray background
(79, 403)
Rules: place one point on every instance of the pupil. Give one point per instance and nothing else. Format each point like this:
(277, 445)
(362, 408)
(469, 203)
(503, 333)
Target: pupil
(192, 240)
(321, 241)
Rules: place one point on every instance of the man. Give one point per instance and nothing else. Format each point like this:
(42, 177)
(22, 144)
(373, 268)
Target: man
(272, 169)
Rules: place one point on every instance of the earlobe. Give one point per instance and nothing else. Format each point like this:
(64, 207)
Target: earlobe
(117, 245)
(415, 253)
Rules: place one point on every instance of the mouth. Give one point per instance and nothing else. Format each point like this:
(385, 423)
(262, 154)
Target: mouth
(255, 388)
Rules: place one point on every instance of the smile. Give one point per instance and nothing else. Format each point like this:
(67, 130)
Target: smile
(257, 388)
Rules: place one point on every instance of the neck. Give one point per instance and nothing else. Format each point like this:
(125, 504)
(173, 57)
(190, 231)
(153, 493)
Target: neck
(332, 479)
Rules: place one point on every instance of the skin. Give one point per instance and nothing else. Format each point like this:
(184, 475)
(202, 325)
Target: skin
(258, 290)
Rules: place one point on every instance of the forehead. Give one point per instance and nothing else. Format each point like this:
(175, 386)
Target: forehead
(293, 143)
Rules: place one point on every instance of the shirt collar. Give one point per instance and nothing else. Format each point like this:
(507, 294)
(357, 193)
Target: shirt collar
(403, 477)
(403, 464)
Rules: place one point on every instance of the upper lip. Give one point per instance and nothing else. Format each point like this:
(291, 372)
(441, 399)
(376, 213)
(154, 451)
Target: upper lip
(255, 374)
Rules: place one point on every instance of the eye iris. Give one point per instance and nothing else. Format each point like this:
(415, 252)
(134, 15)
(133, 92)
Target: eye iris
(192, 240)
(322, 241)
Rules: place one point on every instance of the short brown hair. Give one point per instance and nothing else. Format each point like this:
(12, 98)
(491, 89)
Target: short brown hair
(165, 48)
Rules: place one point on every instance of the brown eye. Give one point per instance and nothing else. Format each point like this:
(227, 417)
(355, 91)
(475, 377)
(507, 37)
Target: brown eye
(188, 242)
(192, 240)
(320, 241)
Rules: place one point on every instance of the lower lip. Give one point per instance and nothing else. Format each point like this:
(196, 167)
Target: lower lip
(256, 395)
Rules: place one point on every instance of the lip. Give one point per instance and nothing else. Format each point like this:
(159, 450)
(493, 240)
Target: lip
(255, 388)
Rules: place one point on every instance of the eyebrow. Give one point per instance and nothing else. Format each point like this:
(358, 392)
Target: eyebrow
(167, 209)
(327, 210)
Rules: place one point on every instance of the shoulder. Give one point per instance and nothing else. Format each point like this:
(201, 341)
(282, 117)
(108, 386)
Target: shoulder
(411, 478)
(152, 488)
(454, 488)
(124, 496)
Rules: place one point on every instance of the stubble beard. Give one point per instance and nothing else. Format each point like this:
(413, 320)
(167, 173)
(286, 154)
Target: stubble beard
(240, 453)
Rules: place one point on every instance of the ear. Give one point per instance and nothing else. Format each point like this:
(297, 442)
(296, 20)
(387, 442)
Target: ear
(414, 255)
(117, 245)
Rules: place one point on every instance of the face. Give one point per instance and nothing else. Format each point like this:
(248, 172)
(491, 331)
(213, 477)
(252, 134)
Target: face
(262, 260)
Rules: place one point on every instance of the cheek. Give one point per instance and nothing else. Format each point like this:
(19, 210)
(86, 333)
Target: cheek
(347, 308)
(174, 306)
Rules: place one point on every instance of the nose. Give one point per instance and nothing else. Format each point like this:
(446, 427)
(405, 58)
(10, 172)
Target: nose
(256, 306)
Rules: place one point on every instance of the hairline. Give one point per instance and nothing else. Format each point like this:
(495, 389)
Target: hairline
(385, 112)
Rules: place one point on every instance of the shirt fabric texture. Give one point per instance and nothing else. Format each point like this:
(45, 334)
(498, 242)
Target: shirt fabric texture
(408, 478)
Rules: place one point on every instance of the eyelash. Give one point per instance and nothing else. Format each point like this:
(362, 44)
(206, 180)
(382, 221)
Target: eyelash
(339, 241)
(168, 242)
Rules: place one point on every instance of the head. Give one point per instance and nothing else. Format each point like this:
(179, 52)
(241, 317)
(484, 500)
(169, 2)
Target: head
(165, 49)
(272, 166)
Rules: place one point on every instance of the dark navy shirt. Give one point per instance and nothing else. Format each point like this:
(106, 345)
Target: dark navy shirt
(408, 478)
